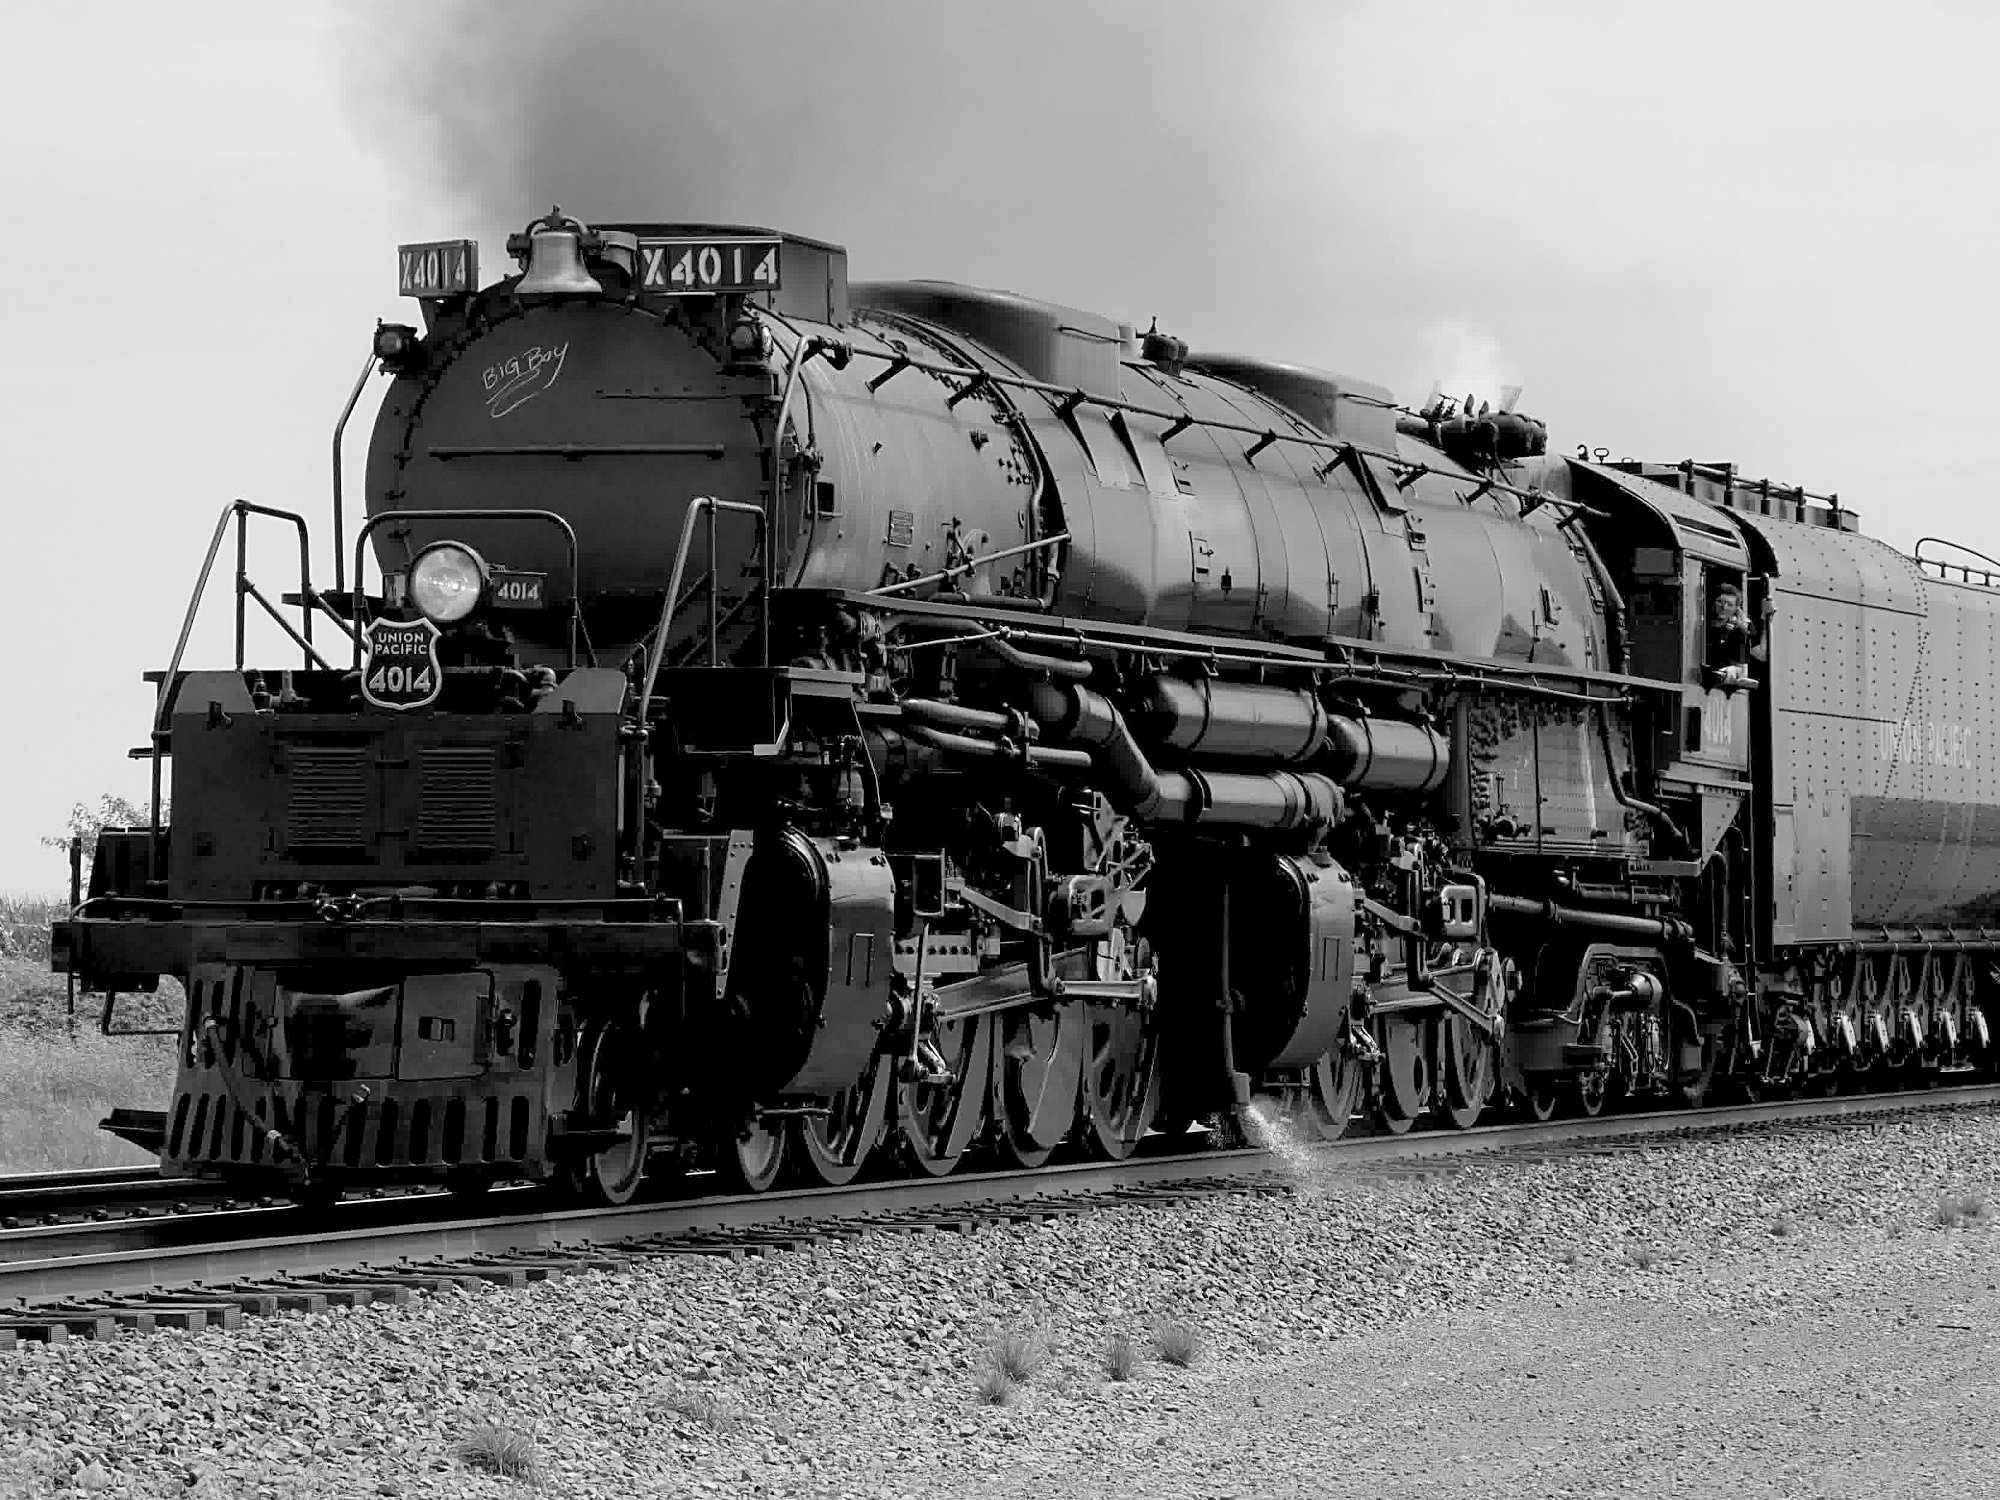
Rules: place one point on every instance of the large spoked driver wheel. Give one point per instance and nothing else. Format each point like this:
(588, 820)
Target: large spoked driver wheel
(937, 1119)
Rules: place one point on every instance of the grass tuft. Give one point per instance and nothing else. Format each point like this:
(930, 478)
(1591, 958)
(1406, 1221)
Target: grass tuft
(496, 1448)
(54, 1089)
(1641, 1257)
(1019, 1354)
(993, 1388)
(1957, 1210)
(24, 927)
(1178, 1343)
(58, 1078)
(27, 1475)
(1121, 1357)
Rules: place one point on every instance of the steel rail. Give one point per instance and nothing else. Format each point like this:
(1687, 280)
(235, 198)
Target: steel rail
(76, 1177)
(33, 1187)
(246, 1215)
(35, 1195)
(325, 1247)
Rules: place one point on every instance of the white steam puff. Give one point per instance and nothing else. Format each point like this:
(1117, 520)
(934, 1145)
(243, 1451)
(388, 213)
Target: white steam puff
(1463, 359)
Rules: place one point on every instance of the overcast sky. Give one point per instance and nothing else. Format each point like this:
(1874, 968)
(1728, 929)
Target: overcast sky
(1758, 233)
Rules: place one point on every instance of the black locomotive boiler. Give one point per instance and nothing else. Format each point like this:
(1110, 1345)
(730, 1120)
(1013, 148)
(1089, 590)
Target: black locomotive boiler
(804, 724)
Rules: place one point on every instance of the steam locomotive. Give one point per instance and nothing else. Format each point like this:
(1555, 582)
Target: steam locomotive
(805, 724)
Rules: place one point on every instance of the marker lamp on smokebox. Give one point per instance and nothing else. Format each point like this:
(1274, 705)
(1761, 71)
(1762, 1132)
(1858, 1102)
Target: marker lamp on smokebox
(398, 347)
(749, 340)
(447, 582)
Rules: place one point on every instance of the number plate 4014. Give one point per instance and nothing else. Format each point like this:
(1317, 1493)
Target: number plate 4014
(709, 266)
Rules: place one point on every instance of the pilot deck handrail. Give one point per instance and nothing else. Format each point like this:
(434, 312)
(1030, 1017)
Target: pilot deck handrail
(310, 601)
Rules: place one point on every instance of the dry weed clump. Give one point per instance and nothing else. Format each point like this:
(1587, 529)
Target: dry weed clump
(1958, 1210)
(497, 1448)
(1019, 1354)
(1121, 1357)
(1178, 1343)
(1015, 1357)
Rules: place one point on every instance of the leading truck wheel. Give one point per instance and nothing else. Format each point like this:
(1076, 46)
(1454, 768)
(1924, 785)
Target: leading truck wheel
(1588, 1091)
(1319, 1105)
(612, 1176)
(830, 1149)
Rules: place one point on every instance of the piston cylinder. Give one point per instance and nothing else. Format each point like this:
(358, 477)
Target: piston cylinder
(1388, 755)
(1232, 720)
(1239, 799)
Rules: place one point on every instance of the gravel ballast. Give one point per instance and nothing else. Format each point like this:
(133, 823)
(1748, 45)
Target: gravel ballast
(1780, 1313)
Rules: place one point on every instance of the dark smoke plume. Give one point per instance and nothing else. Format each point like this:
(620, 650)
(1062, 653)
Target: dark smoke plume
(1056, 147)
(1408, 193)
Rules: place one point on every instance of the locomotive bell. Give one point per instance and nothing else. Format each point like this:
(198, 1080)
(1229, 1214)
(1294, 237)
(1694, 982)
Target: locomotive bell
(555, 264)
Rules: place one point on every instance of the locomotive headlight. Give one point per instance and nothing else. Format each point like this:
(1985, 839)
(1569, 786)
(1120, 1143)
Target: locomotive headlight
(447, 582)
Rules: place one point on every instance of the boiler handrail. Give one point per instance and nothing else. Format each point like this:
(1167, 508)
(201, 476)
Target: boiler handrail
(708, 505)
(339, 429)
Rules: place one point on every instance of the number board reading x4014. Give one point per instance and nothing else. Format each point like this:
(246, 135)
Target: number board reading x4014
(708, 266)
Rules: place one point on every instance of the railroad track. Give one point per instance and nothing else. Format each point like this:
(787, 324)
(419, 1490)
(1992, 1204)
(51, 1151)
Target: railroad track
(91, 1278)
(51, 1197)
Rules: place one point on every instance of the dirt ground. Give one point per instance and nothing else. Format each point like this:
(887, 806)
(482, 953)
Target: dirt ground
(1877, 1389)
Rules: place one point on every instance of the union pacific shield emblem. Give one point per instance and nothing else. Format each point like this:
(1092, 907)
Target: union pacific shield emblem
(403, 670)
